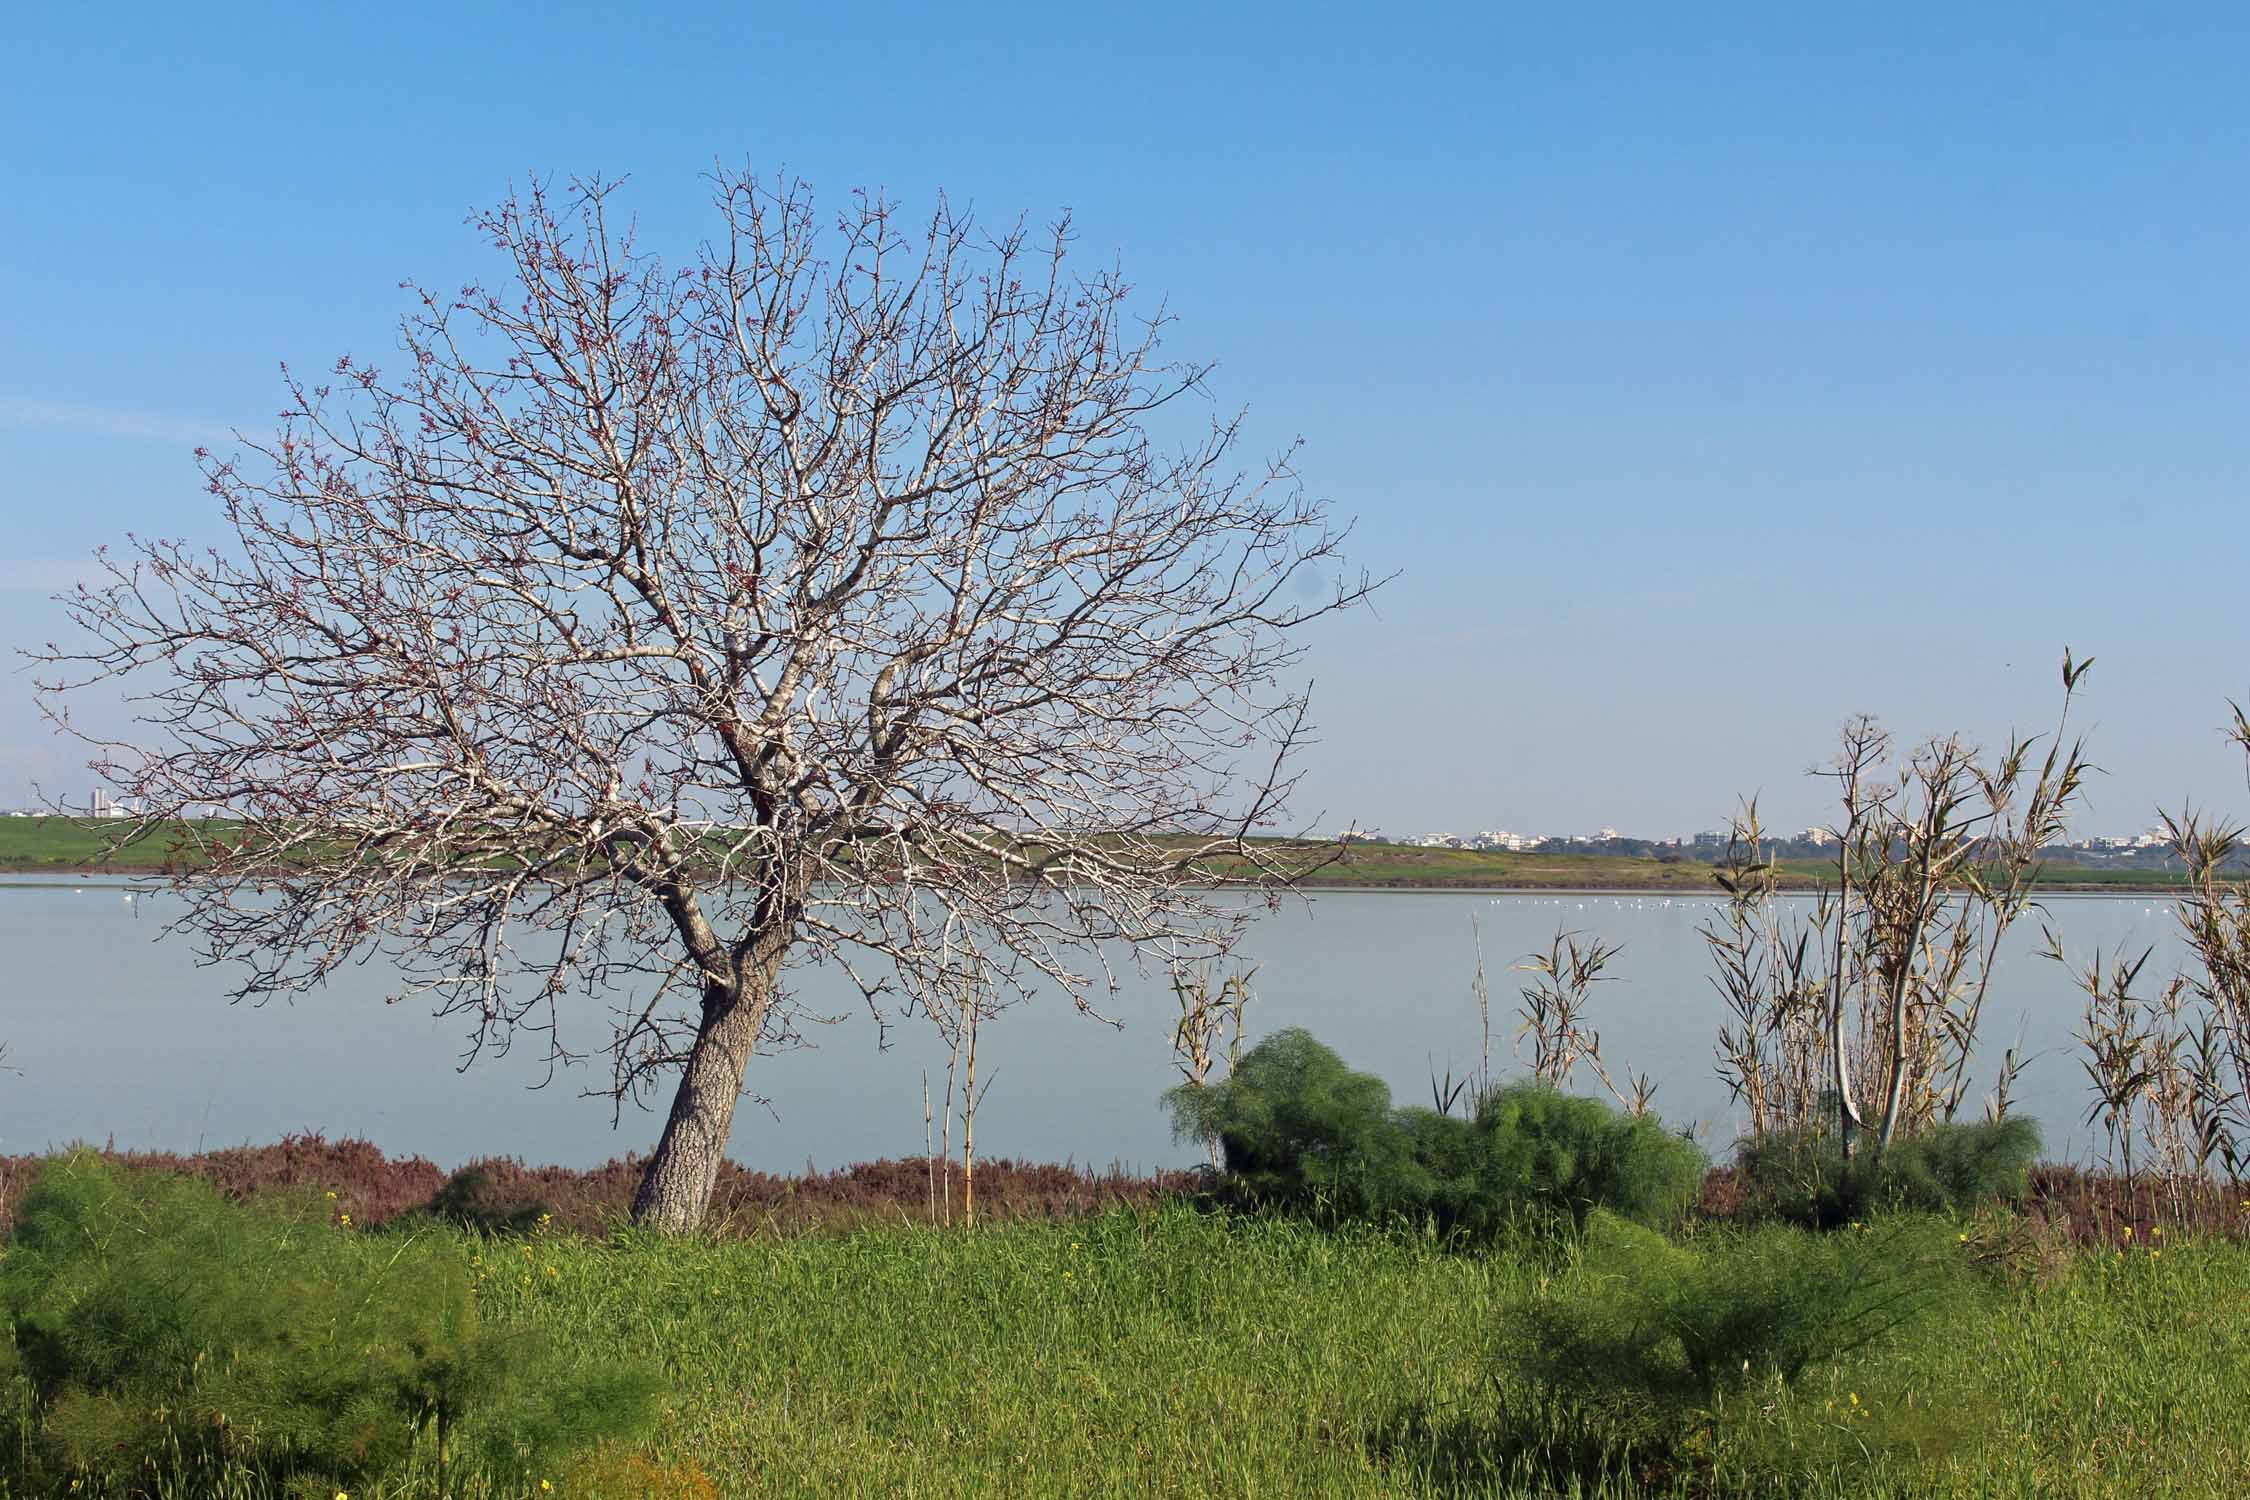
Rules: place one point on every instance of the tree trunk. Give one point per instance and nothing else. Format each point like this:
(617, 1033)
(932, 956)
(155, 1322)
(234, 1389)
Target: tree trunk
(675, 1191)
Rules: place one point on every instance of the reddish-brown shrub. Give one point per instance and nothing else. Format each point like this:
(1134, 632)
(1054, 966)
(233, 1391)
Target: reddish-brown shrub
(498, 1191)
(2088, 1209)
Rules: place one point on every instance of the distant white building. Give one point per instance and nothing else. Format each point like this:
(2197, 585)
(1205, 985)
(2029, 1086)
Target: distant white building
(106, 806)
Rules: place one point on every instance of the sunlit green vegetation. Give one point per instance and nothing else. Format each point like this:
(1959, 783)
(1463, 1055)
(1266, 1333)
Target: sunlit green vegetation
(1297, 1130)
(1171, 1352)
(52, 843)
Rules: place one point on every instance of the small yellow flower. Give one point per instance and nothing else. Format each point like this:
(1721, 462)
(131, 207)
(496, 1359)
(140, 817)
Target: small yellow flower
(331, 1195)
(341, 1495)
(544, 1221)
(544, 1487)
(2156, 1255)
(551, 1271)
(1964, 1239)
(1855, 1398)
(345, 1220)
(2157, 1233)
(2128, 1234)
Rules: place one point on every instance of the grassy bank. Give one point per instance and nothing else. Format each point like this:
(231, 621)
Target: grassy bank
(31, 845)
(64, 845)
(1165, 1352)
(1150, 1348)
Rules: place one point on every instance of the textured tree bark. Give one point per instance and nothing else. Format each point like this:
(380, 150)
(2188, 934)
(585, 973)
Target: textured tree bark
(675, 1190)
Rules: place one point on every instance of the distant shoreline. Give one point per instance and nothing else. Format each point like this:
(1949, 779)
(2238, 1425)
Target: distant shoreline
(67, 849)
(99, 878)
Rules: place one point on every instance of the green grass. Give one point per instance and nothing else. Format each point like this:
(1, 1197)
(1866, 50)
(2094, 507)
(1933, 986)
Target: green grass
(53, 844)
(1131, 1355)
(1413, 868)
(1149, 1353)
(1170, 1354)
(34, 844)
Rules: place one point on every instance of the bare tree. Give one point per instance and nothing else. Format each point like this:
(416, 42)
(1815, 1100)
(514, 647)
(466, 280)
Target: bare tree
(1865, 1013)
(959, 1019)
(2173, 1070)
(1553, 1015)
(2214, 914)
(1773, 1055)
(829, 598)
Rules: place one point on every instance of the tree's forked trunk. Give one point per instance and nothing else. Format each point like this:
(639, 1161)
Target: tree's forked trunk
(675, 1190)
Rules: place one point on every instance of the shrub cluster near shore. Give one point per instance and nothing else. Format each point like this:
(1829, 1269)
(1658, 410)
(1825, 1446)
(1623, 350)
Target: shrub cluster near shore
(501, 1193)
(1162, 1350)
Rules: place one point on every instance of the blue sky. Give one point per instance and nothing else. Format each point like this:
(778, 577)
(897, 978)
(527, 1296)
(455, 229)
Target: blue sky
(1708, 373)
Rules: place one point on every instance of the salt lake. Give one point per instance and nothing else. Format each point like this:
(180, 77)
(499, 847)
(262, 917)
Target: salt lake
(117, 1036)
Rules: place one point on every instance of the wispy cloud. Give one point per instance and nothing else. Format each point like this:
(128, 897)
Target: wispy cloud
(102, 421)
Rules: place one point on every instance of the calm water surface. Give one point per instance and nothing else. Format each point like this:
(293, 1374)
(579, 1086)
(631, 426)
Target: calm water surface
(118, 1036)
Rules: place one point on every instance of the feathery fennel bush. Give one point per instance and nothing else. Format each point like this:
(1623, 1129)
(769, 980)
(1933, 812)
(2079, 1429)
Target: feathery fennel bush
(1800, 1176)
(155, 1321)
(1299, 1130)
(1571, 1155)
(1302, 1132)
(1646, 1333)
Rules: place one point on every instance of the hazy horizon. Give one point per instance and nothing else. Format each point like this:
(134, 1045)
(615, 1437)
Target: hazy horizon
(1706, 379)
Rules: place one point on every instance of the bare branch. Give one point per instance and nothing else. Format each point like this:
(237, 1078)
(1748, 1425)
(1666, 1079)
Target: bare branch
(827, 599)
